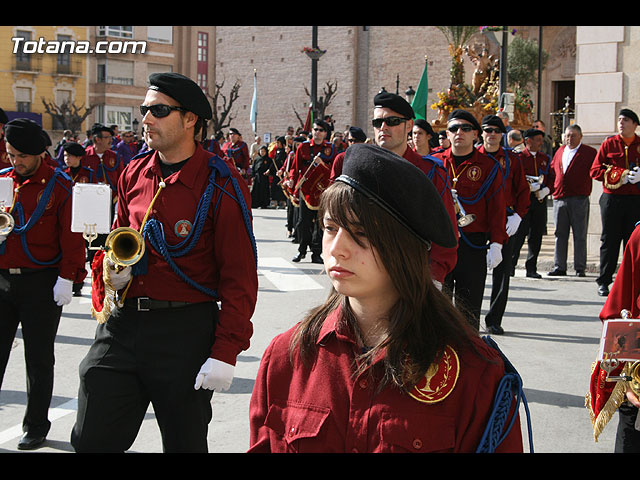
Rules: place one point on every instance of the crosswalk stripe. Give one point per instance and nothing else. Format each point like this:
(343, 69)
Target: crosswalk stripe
(286, 277)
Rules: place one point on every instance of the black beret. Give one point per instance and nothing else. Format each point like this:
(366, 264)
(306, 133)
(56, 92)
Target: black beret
(630, 114)
(424, 125)
(393, 102)
(98, 128)
(532, 132)
(358, 134)
(400, 188)
(25, 136)
(494, 121)
(464, 115)
(3, 116)
(235, 131)
(183, 90)
(74, 148)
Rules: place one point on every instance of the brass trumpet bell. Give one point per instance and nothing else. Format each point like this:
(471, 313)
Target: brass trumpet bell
(463, 218)
(6, 223)
(633, 377)
(124, 246)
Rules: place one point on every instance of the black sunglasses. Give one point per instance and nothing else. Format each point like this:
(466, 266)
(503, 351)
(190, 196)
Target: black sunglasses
(491, 130)
(159, 111)
(390, 121)
(460, 126)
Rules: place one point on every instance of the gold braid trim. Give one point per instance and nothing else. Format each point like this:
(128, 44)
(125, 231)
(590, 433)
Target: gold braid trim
(618, 184)
(616, 399)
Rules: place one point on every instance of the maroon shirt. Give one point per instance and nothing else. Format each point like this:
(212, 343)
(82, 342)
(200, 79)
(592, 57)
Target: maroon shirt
(324, 408)
(576, 181)
(221, 260)
(51, 235)
(239, 153)
(614, 151)
(490, 208)
(106, 170)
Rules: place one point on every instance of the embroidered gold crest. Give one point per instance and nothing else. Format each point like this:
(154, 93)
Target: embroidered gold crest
(440, 379)
(474, 173)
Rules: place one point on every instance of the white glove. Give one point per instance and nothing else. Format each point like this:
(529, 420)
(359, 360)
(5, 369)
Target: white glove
(62, 291)
(513, 222)
(543, 192)
(214, 375)
(494, 255)
(534, 187)
(118, 279)
(2, 238)
(633, 176)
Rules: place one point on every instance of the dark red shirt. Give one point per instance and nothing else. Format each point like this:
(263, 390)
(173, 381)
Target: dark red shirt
(576, 181)
(222, 259)
(325, 408)
(614, 151)
(106, 169)
(239, 153)
(488, 206)
(51, 235)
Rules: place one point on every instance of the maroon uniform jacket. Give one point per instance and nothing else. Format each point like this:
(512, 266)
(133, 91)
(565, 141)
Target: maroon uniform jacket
(489, 205)
(51, 235)
(615, 152)
(576, 181)
(325, 408)
(239, 153)
(106, 170)
(222, 258)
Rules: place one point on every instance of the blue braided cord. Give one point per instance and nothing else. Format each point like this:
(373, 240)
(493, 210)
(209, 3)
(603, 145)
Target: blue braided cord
(484, 188)
(509, 389)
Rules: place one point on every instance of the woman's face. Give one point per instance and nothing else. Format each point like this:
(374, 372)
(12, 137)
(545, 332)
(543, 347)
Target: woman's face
(354, 270)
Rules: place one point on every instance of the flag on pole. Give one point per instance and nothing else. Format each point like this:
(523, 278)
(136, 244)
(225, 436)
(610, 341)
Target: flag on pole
(254, 104)
(419, 103)
(308, 123)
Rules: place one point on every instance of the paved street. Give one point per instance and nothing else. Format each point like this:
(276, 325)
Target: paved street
(552, 334)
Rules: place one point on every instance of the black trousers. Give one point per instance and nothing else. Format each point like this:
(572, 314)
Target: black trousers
(27, 300)
(627, 437)
(139, 358)
(619, 214)
(308, 230)
(533, 227)
(501, 279)
(465, 283)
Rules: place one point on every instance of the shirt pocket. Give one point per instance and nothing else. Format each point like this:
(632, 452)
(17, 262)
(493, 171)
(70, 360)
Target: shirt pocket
(297, 425)
(418, 433)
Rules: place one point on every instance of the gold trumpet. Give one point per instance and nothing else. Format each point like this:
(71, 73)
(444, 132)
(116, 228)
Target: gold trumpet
(630, 372)
(463, 218)
(6, 223)
(124, 246)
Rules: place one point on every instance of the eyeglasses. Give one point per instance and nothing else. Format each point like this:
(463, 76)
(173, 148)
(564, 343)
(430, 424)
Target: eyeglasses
(460, 126)
(491, 130)
(159, 111)
(319, 130)
(390, 121)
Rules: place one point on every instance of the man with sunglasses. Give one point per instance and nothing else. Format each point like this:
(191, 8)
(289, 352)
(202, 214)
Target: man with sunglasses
(477, 180)
(312, 161)
(169, 344)
(237, 150)
(354, 135)
(516, 191)
(393, 121)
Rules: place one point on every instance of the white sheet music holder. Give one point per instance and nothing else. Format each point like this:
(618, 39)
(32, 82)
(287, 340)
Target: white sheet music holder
(6, 193)
(91, 211)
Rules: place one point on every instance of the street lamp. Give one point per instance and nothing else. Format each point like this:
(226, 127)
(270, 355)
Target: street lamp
(409, 94)
(135, 124)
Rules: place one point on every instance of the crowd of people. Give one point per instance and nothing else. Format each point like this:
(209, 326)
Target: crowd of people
(407, 225)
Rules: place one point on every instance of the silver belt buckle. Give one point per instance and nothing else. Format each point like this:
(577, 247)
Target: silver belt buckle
(15, 271)
(144, 304)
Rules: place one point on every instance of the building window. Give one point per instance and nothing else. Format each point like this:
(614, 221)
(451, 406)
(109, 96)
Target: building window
(63, 62)
(202, 59)
(23, 99)
(121, 116)
(122, 32)
(161, 34)
(117, 72)
(23, 60)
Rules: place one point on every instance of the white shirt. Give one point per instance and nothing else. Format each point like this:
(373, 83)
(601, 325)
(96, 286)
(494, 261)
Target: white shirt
(567, 156)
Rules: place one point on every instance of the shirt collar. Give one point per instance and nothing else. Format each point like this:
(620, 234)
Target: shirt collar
(186, 175)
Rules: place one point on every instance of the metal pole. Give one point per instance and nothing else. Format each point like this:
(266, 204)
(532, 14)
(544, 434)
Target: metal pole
(503, 65)
(314, 73)
(539, 70)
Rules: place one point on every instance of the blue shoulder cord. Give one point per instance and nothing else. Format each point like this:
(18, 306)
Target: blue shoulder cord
(154, 230)
(444, 176)
(23, 227)
(510, 388)
(481, 193)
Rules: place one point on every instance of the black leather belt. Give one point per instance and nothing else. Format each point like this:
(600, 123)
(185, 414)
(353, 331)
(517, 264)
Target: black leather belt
(145, 304)
(22, 271)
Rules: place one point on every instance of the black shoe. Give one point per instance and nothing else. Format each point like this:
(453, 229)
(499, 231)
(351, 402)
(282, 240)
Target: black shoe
(533, 275)
(603, 290)
(556, 272)
(580, 273)
(495, 329)
(316, 258)
(298, 257)
(30, 442)
(77, 289)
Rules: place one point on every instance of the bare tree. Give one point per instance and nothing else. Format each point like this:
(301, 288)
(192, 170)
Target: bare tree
(223, 117)
(322, 103)
(67, 115)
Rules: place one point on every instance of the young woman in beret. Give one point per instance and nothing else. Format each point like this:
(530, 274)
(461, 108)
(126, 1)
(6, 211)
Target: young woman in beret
(386, 364)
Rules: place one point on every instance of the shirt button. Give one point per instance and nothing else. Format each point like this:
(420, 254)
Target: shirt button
(417, 444)
(292, 431)
(363, 383)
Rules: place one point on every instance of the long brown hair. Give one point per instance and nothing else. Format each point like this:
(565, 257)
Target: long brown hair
(421, 323)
